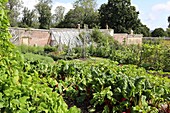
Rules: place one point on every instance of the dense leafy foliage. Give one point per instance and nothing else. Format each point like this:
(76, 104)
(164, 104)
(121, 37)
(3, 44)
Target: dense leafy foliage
(99, 85)
(95, 85)
(35, 57)
(28, 18)
(14, 7)
(143, 29)
(44, 11)
(84, 12)
(58, 15)
(159, 32)
(119, 15)
(21, 89)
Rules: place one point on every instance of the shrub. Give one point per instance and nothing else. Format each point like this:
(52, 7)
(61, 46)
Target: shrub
(48, 49)
(31, 49)
(34, 57)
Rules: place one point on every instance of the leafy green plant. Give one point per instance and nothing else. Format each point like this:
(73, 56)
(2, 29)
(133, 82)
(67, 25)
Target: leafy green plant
(22, 88)
(49, 49)
(107, 86)
(34, 57)
(31, 49)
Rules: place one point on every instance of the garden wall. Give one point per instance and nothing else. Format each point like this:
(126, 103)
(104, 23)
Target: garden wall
(135, 39)
(125, 38)
(30, 37)
(42, 37)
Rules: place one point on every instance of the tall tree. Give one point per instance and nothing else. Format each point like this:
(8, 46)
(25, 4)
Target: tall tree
(13, 7)
(84, 12)
(28, 18)
(44, 11)
(120, 15)
(58, 15)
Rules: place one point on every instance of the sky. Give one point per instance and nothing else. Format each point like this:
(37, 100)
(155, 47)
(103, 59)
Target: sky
(153, 13)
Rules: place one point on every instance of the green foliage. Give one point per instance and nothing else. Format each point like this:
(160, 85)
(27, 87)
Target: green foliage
(159, 32)
(5, 45)
(166, 61)
(31, 49)
(84, 12)
(101, 45)
(14, 7)
(98, 36)
(120, 15)
(28, 18)
(102, 38)
(58, 16)
(44, 11)
(35, 57)
(49, 49)
(99, 85)
(152, 57)
(151, 54)
(168, 32)
(102, 85)
(143, 29)
(22, 90)
(127, 55)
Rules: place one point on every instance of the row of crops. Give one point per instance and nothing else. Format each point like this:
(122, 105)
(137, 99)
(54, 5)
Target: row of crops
(95, 85)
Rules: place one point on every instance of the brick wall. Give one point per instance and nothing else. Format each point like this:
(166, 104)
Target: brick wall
(33, 36)
(124, 38)
(135, 39)
(121, 37)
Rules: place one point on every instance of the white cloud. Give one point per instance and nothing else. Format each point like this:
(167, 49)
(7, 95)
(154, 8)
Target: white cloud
(31, 3)
(162, 7)
(156, 17)
(67, 6)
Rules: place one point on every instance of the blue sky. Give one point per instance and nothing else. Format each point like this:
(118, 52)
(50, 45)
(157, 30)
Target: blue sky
(153, 13)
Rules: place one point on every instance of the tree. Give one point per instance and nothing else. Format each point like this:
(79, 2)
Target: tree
(44, 11)
(143, 29)
(168, 32)
(159, 32)
(28, 18)
(119, 15)
(13, 7)
(72, 18)
(84, 12)
(58, 15)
